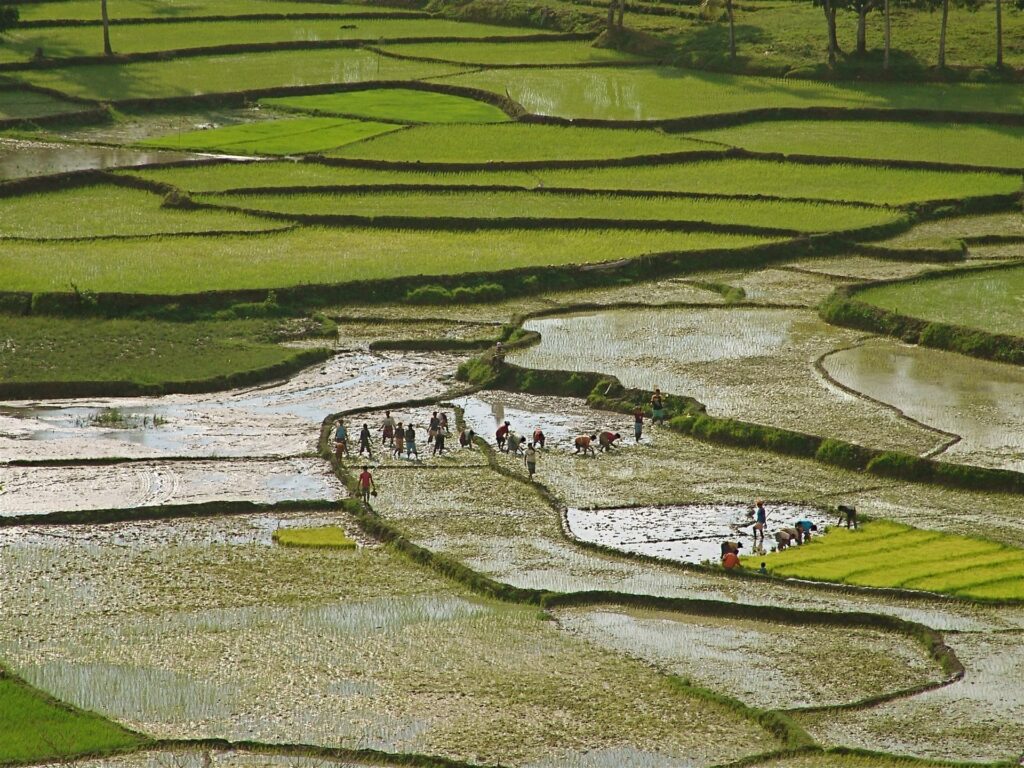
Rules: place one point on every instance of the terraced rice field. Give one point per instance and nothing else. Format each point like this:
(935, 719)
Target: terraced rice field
(271, 219)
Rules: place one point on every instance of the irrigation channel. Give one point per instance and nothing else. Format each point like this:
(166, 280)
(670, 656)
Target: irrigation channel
(163, 518)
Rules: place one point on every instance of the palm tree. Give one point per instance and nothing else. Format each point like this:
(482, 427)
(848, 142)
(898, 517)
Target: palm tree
(107, 50)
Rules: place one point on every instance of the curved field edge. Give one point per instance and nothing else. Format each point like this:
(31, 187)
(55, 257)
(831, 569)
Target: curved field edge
(844, 308)
(688, 416)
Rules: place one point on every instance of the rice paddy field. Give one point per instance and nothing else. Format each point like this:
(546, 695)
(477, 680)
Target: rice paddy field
(241, 250)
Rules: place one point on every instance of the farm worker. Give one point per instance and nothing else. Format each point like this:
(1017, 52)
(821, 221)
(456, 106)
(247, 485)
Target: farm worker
(763, 570)
(794, 535)
(638, 423)
(584, 444)
(731, 548)
(781, 539)
(341, 440)
(388, 430)
(444, 423)
(607, 440)
(803, 530)
(538, 437)
(366, 484)
(410, 442)
(730, 561)
(850, 513)
(399, 441)
(501, 435)
(516, 443)
(438, 443)
(466, 438)
(364, 441)
(530, 457)
(760, 519)
(433, 427)
(657, 407)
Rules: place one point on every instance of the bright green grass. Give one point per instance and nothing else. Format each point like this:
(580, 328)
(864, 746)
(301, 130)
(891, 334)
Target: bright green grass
(291, 136)
(141, 351)
(140, 9)
(509, 54)
(515, 141)
(400, 104)
(330, 536)
(20, 44)
(989, 300)
(805, 217)
(36, 729)
(228, 74)
(648, 94)
(885, 554)
(722, 177)
(995, 145)
(172, 265)
(106, 209)
(15, 103)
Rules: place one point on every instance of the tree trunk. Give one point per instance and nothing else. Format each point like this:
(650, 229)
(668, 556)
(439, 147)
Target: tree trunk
(999, 34)
(107, 50)
(942, 34)
(732, 30)
(622, 11)
(611, 14)
(888, 37)
(830, 21)
(862, 30)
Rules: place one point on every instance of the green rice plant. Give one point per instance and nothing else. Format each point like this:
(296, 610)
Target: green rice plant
(886, 554)
(17, 103)
(987, 300)
(799, 216)
(139, 351)
(661, 93)
(21, 44)
(514, 141)
(291, 136)
(719, 177)
(403, 105)
(227, 73)
(102, 210)
(326, 537)
(175, 265)
(35, 728)
(138, 9)
(509, 54)
(995, 145)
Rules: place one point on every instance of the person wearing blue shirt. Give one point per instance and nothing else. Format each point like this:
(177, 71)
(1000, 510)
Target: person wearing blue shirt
(803, 530)
(760, 520)
(341, 440)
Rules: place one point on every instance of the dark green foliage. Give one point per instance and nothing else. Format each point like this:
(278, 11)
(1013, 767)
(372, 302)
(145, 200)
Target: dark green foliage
(15, 304)
(841, 454)
(901, 465)
(253, 310)
(8, 17)
(438, 294)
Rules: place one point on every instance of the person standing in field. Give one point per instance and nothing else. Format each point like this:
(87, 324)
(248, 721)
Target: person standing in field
(364, 441)
(538, 437)
(530, 457)
(585, 444)
(399, 442)
(760, 520)
(443, 422)
(410, 442)
(501, 436)
(341, 440)
(657, 407)
(388, 430)
(438, 443)
(638, 423)
(366, 485)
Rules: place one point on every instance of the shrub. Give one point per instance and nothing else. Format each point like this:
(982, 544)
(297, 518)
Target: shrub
(479, 293)
(901, 465)
(842, 454)
(15, 303)
(55, 304)
(429, 294)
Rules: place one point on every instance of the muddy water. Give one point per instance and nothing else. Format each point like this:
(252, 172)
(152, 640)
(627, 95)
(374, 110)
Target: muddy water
(486, 411)
(756, 661)
(275, 420)
(690, 534)
(20, 158)
(751, 364)
(981, 401)
(213, 759)
(37, 490)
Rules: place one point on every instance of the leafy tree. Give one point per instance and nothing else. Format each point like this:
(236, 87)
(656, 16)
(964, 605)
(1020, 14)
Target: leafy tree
(8, 17)
(107, 50)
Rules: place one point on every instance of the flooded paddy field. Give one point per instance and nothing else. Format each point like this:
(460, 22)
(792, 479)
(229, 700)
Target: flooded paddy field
(751, 364)
(767, 664)
(280, 419)
(979, 401)
(185, 639)
(22, 158)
